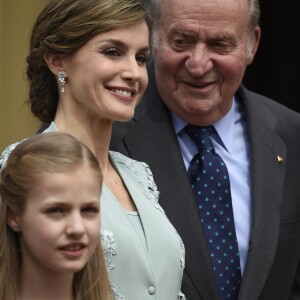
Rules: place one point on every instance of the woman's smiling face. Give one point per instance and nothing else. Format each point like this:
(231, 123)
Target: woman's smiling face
(107, 77)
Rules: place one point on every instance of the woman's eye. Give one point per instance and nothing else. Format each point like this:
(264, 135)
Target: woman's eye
(112, 52)
(142, 58)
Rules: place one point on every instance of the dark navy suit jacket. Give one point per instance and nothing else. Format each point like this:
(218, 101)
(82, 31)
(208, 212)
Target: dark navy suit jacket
(272, 271)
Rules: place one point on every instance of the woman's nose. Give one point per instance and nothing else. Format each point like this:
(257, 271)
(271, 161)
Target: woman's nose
(132, 70)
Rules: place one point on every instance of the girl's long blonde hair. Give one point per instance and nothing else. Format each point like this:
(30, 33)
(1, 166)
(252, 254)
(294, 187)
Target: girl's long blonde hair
(42, 154)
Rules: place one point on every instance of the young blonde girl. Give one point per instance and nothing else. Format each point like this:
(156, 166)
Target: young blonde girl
(34, 162)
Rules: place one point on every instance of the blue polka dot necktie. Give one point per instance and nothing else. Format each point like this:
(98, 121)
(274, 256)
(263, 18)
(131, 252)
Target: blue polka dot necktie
(210, 183)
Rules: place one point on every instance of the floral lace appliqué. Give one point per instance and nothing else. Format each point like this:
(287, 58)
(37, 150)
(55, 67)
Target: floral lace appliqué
(143, 174)
(117, 295)
(109, 247)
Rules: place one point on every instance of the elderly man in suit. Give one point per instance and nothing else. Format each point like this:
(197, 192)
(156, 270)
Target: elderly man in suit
(201, 51)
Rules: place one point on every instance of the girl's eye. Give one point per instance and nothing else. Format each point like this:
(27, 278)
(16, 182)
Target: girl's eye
(112, 52)
(91, 210)
(54, 211)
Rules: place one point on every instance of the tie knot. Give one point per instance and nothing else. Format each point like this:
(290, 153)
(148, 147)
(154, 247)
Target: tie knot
(201, 136)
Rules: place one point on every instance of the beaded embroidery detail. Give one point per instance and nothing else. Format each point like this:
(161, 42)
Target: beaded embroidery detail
(109, 247)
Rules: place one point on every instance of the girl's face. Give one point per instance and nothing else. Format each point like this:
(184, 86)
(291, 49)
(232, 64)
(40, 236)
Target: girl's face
(107, 77)
(60, 226)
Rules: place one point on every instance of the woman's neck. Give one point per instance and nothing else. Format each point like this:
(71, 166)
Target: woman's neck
(95, 134)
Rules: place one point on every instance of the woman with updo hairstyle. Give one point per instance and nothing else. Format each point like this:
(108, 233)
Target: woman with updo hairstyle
(86, 70)
(44, 220)
(63, 27)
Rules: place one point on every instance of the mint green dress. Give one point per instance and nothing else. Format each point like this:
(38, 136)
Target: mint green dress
(143, 252)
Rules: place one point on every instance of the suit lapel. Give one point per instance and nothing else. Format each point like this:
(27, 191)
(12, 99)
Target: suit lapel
(267, 187)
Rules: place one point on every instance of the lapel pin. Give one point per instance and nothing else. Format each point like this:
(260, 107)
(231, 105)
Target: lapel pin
(279, 159)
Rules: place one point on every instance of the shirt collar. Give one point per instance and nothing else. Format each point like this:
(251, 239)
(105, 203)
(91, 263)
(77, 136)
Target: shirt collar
(224, 126)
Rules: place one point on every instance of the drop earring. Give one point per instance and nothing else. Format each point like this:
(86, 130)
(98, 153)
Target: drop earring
(61, 78)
